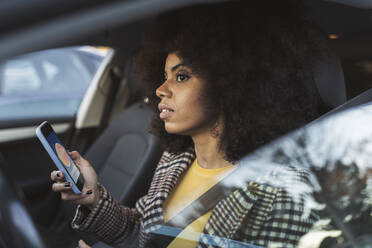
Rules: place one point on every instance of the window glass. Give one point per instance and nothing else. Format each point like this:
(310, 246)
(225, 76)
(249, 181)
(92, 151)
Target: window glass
(48, 83)
(19, 76)
(309, 189)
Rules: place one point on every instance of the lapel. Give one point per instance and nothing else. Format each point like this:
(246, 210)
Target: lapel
(230, 213)
(175, 167)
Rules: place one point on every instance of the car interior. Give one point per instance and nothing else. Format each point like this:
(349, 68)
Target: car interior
(111, 126)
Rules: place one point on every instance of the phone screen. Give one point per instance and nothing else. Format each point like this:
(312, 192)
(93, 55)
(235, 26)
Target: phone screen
(63, 156)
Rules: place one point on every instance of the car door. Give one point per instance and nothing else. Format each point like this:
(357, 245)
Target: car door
(45, 85)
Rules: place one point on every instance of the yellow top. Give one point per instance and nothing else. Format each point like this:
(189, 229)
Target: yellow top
(195, 182)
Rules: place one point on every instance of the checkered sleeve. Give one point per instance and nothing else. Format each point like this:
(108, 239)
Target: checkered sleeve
(108, 221)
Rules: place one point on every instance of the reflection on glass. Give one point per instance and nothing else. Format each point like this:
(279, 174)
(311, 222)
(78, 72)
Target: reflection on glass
(325, 170)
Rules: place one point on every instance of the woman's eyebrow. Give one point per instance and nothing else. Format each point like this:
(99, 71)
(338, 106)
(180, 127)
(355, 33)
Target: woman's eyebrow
(176, 67)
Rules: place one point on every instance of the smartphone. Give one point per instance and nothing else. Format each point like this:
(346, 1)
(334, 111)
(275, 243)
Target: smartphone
(60, 156)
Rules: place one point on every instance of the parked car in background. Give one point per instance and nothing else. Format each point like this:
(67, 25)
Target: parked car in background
(49, 82)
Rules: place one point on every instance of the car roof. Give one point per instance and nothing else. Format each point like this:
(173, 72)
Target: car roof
(42, 24)
(365, 4)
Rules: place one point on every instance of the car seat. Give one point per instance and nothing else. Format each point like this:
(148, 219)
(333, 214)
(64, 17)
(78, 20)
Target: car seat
(330, 82)
(329, 79)
(126, 154)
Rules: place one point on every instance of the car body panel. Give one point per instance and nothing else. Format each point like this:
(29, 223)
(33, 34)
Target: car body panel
(120, 24)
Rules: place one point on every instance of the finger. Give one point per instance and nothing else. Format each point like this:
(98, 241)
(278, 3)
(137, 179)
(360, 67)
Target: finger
(57, 176)
(82, 244)
(72, 197)
(74, 155)
(59, 187)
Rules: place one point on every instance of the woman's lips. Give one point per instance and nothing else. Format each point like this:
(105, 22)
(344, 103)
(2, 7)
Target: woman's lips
(165, 111)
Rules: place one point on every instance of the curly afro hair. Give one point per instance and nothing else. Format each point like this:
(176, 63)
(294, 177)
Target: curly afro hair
(257, 60)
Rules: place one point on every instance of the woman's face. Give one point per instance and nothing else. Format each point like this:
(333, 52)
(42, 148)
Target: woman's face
(181, 94)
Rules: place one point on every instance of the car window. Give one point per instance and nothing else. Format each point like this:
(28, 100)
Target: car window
(47, 83)
(314, 183)
(19, 76)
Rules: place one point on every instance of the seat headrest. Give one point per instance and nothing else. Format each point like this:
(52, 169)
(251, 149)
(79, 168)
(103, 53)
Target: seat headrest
(329, 79)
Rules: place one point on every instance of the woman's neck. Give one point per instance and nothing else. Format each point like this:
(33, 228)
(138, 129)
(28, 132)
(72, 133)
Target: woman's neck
(207, 152)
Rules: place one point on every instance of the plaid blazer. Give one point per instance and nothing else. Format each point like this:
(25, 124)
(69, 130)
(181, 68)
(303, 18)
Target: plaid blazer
(257, 214)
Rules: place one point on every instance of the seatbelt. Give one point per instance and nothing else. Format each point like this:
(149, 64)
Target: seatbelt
(193, 211)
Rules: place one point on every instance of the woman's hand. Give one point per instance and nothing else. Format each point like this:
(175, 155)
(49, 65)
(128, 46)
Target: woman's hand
(90, 193)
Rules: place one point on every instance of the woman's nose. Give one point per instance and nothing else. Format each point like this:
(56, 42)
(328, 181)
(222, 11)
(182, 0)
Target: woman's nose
(163, 90)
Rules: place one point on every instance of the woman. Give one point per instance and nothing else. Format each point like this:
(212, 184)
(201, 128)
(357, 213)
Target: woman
(224, 80)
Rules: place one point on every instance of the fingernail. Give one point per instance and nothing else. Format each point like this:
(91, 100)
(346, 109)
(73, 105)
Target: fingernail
(67, 184)
(58, 174)
(89, 192)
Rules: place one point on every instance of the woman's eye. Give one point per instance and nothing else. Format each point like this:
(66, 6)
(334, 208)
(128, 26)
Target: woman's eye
(182, 77)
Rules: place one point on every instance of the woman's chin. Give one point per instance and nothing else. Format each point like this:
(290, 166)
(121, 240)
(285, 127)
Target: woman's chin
(174, 129)
(170, 129)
